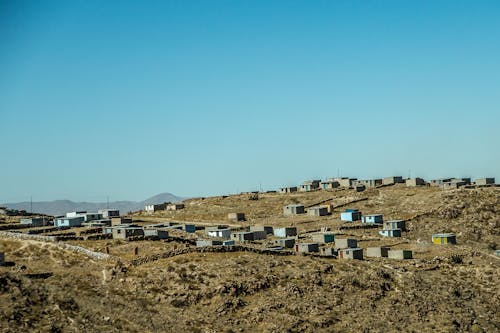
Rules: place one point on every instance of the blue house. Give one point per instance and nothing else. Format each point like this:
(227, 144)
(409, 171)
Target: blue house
(69, 221)
(350, 215)
(373, 218)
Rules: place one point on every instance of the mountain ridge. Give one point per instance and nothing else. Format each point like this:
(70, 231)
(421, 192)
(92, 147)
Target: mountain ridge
(62, 206)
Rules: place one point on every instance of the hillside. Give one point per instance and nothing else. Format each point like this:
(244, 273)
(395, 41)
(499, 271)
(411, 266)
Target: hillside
(443, 289)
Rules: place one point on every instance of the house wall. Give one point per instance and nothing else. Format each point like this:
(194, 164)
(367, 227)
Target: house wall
(343, 243)
(400, 254)
(485, 181)
(317, 211)
(377, 252)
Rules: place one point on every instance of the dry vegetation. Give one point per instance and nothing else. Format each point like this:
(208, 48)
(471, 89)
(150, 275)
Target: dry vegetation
(444, 289)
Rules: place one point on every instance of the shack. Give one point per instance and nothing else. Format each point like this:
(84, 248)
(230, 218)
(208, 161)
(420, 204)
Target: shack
(324, 237)
(235, 217)
(35, 221)
(154, 207)
(329, 184)
(351, 253)
(175, 206)
(390, 232)
(127, 232)
(306, 247)
(207, 242)
(120, 220)
(350, 215)
(309, 185)
(288, 189)
(484, 181)
(395, 224)
(317, 211)
(373, 219)
(400, 254)
(344, 243)
(412, 182)
(445, 238)
(220, 233)
(392, 180)
(68, 221)
(267, 229)
(377, 252)
(293, 209)
(161, 234)
(328, 252)
(108, 213)
(285, 242)
(285, 232)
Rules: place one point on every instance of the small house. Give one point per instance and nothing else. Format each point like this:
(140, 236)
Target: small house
(439, 182)
(453, 185)
(127, 232)
(350, 215)
(306, 247)
(346, 182)
(245, 236)
(369, 182)
(285, 232)
(120, 220)
(359, 187)
(288, 189)
(207, 242)
(400, 254)
(329, 184)
(154, 207)
(34, 222)
(293, 209)
(377, 252)
(92, 217)
(285, 242)
(228, 243)
(484, 181)
(219, 233)
(317, 211)
(267, 229)
(373, 218)
(350, 253)
(235, 217)
(175, 206)
(390, 232)
(412, 182)
(328, 252)
(161, 234)
(324, 237)
(309, 185)
(76, 214)
(190, 228)
(344, 243)
(392, 180)
(108, 213)
(441, 239)
(68, 221)
(395, 224)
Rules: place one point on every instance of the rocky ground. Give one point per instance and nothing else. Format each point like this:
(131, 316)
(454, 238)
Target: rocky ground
(444, 289)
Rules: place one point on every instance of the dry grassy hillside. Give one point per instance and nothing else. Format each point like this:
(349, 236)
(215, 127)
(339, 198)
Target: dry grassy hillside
(444, 289)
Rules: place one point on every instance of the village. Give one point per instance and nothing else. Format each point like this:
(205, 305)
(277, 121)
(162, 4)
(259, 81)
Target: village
(330, 229)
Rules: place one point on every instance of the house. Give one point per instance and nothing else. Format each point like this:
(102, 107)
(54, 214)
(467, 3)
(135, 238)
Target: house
(344, 243)
(293, 209)
(285, 232)
(288, 189)
(219, 233)
(412, 182)
(228, 243)
(235, 217)
(76, 214)
(329, 184)
(108, 213)
(35, 221)
(309, 185)
(377, 252)
(97, 223)
(244, 236)
(92, 216)
(206, 242)
(373, 218)
(68, 221)
(306, 247)
(120, 220)
(350, 253)
(439, 182)
(267, 229)
(323, 237)
(189, 228)
(154, 207)
(350, 215)
(395, 224)
(317, 211)
(125, 232)
(359, 187)
(328, 252)
(467, 181)
(346, 182)
(400, 254)
(285, 242)
(392, 180)
(175, 206)
(390, 233)
(484, 181)
(161, 234)
(369, 182)
(441, 239)
(453, 185)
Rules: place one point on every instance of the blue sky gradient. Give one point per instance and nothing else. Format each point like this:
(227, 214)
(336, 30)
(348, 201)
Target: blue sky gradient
(127, 99)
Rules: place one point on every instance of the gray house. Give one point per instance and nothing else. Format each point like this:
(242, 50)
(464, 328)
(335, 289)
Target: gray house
(306, 247)
(109, 213)
(288, 189)
(126, 232)
(267, 229)
(285, 242)
(400, 254)
(395, 224)
(69, 221)
(392, 180)
(293, 209)
(377, 252)
(350, 253)
(317, 211)
(285, 232)
(412, 182)
(235, 217)
(309, 185)
(344, 243)
(35, 221)
(484, 181)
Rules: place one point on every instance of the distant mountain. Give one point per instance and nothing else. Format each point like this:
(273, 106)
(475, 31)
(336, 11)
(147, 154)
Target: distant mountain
(60, 207)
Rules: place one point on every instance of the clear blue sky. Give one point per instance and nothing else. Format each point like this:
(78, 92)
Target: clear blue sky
(127, 99)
